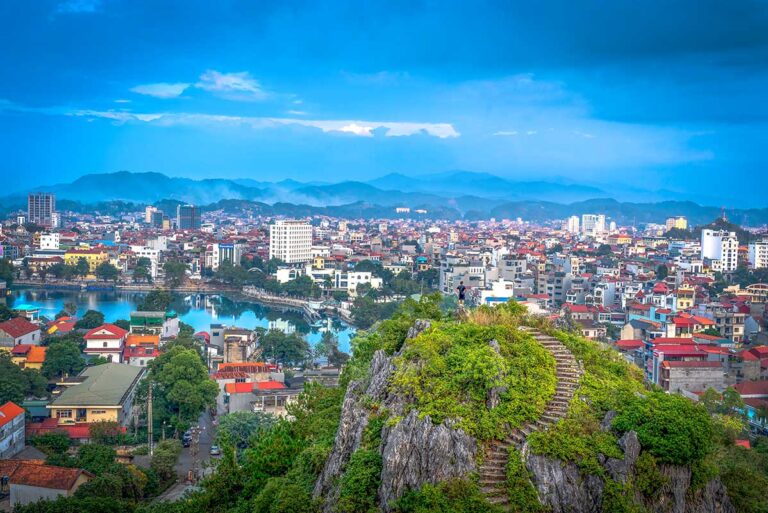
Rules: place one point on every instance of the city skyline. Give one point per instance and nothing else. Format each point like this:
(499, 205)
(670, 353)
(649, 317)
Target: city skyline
(610, 94)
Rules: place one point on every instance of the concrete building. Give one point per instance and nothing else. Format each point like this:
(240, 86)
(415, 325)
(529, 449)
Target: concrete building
(679, 222)
(593, 225)
(49, 241)
(187, 217)
(40, 208)
(721, 248)
(163, 324)
(29, 481)
(572, 225)
(691, 376)
(239, 345)
(290, 241)
(12, 425)
(216, 254)
(107, 341)
(758, 254)
(18, 331)
(105, 393)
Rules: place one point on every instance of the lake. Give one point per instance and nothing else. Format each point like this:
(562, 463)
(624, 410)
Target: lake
(199, 311)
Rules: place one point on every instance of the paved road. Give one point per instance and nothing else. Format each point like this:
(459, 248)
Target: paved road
(186, 460)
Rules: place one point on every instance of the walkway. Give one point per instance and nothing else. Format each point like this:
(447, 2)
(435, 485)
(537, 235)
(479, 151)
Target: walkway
(493, 472)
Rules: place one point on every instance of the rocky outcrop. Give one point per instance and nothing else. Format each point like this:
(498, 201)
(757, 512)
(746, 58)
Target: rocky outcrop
(565, 489)
(414, 451)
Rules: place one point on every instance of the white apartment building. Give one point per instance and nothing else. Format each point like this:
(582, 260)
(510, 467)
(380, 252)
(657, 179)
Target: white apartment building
(216, 254)
(350, 280)
(758, 254)
(573, 224)
(49, 241)
(680, 222)
(722, 248)
(592, 224)
(290, 241)
(150, 253)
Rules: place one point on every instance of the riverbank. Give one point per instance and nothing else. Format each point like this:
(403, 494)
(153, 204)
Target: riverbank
(202, 288)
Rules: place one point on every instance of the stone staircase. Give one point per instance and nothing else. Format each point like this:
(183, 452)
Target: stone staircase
(493, 470)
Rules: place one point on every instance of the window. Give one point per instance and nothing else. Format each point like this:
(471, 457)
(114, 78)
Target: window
(64, 414)
(105, 344)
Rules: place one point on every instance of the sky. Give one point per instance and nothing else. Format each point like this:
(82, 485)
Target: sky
(644, 96)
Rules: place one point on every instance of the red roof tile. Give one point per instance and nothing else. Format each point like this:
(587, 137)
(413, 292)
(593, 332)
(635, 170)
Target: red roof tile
(42, 476)
(18, 327)
(270, 385)
(113, 332)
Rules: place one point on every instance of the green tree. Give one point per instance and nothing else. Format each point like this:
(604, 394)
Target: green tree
(141, 273)
(164, 459)
(17, 383)
(286, 349)
(62, 358)
(7, 272)
(156, 301)
(662, 272)
(91, 319)
(183, 388)
(82, 268)
(51, 444)
(175, 272)
(96, 458)
(122, 323)
(237, 428)
(107, 272)
(5, 313)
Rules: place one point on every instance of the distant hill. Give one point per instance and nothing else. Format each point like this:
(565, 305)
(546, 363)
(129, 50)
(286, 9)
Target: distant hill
(450, 195)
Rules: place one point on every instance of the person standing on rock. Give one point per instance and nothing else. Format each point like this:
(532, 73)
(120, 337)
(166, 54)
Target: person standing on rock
(462, 290)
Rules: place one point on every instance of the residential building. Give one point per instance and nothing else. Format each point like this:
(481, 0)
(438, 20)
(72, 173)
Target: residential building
(691, 376)
(18, 331)
(28, 356)
(30, 481)
(106, 341)
(679, 222)
(721, 247)
(290, 241)
(12, 423)
(239, 345)
(187, 217)
(216, 254)
(572, 225)
(163, 324)
(40, 208)
(49, 241)
(593, 225)
(105, 393)
(758, 254)
(141, 349)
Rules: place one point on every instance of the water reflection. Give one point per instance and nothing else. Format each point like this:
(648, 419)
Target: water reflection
(197, 310)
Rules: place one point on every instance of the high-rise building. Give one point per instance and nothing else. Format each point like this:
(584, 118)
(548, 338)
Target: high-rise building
(721, 247)
(573, 224)
(187, 217)
(40, 208)
(148, 211)
(592, 224)
(217, 253)
(758, 254)
(680, 222)
(290, 241)
(157, 219)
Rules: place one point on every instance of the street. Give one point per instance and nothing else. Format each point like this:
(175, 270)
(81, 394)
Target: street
(186, 461)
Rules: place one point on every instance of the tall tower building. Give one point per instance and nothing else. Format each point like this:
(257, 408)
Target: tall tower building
(290, 241)
(187, 217)
(41, 207)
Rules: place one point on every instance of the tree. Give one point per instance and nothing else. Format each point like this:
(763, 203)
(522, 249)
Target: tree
(286, 349)
(105, 432)
(62, 358)
(5, 313)
(7, 272)
(141, 273)
(106, 271)
(183, 388)
(91, 319)
(82, 268)
(174, 273)
(96, 458)
(662, 272)
(143, 262)
(17, 383)
(237, 428)
(156, 301)
(164, 459)
(122, 323)
(711, 331)
(329, 347)
(52, 443)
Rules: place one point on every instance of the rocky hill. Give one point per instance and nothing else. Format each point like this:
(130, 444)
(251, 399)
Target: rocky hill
(511, 417)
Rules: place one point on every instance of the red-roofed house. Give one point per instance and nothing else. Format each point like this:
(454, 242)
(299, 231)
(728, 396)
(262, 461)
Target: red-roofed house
(270, 385)
(106, 341)
(11, 430)
(31, 481)
(18, 331)
(755, 396)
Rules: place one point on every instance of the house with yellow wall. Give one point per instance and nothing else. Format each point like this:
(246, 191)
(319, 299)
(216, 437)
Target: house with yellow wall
(28, 356)
(94, 257)
(106, 393)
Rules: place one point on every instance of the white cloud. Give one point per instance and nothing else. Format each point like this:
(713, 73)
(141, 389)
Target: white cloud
(297, 113)
(232, 86)
(122, 100)
(353, 127)
(506, 133)
(78, 6)
(161, 89)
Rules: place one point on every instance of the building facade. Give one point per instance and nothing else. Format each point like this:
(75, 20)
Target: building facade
(187, 217)
(40, 208)
(290, 241)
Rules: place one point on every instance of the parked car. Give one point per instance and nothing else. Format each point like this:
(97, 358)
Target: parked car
(215, 451)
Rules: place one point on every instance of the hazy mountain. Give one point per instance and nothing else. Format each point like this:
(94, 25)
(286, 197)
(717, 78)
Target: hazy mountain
(453, 183)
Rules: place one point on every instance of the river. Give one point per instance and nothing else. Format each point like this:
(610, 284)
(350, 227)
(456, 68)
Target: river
(199, 311)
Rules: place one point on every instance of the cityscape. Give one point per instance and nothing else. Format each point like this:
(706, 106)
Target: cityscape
(215, 304)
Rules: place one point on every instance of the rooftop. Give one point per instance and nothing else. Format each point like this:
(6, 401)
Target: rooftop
(104, 385)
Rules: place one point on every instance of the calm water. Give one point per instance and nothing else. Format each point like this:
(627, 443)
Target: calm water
(197, 311)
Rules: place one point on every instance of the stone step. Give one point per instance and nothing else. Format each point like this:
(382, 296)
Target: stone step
(499, 500)
(492, 472)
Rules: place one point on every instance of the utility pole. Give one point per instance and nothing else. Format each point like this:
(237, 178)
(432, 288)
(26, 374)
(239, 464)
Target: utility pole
(150, 440)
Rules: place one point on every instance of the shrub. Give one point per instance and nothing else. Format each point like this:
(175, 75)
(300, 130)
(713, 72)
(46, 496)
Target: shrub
(358, 485)
(523, 497)
(670, 427)
(453, 496)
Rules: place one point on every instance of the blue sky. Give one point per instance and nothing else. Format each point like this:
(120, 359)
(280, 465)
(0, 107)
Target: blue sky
(651, 94)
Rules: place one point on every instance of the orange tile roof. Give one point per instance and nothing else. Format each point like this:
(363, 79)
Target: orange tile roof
(43, 476)
(36, 354)
(8, 412)
(136, 339)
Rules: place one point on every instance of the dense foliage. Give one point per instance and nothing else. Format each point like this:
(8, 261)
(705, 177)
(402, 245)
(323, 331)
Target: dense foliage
(16, 383)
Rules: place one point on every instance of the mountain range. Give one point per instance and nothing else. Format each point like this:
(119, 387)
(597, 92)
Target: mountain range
(451, 195)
